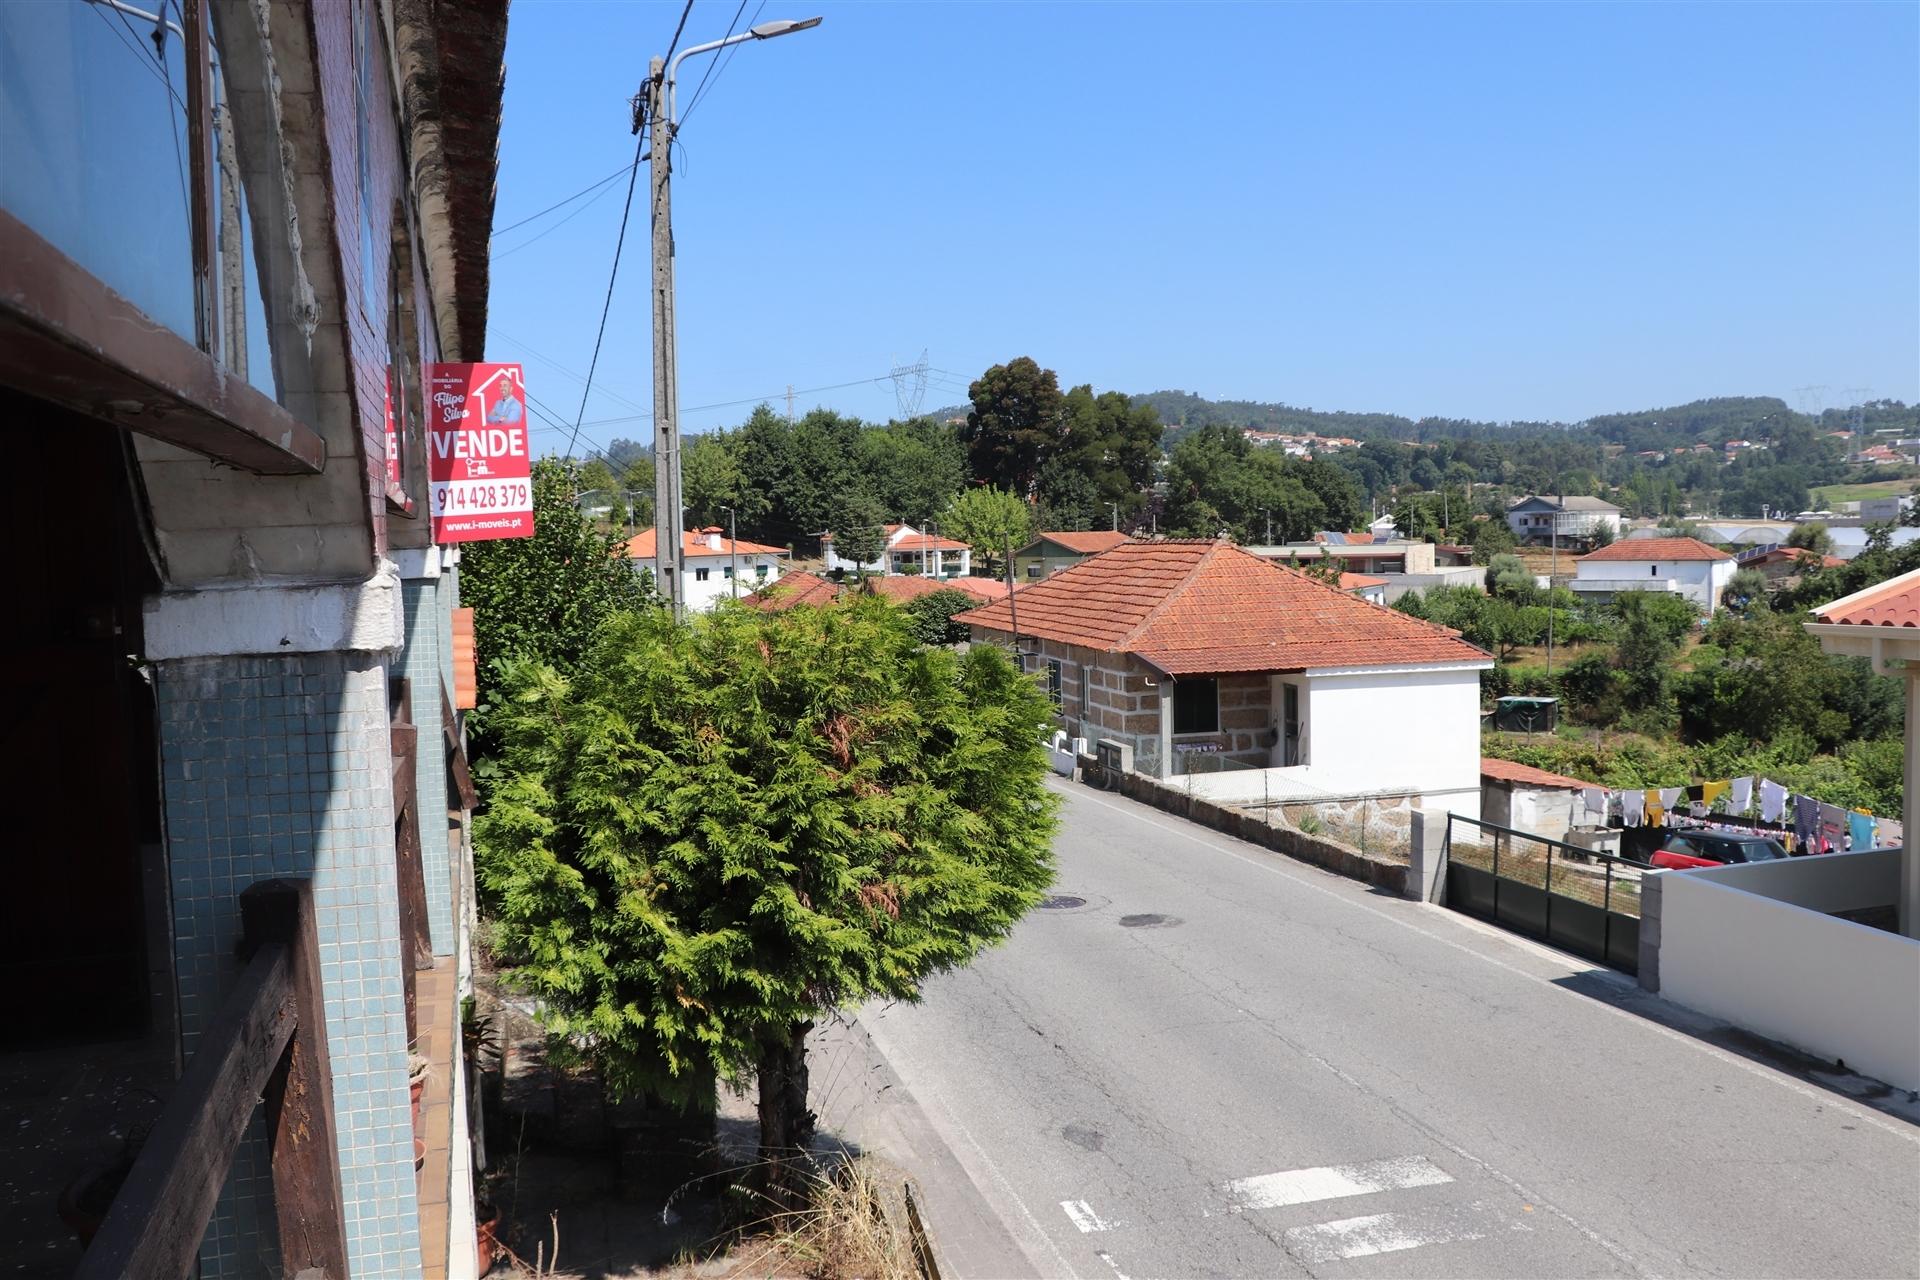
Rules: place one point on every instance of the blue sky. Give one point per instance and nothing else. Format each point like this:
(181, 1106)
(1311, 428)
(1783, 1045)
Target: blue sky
(1503, 212)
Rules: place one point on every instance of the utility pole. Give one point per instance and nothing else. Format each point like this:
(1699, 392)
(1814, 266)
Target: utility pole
(1269, 515)
(1116, 516)
(1553, 541)
(666, 402)
(789, 404)
(733, 553)
(668, 513)
(1013, 609)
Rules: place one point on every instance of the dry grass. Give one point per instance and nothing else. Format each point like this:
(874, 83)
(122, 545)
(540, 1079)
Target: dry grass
(1582, 882)
(852, 1228)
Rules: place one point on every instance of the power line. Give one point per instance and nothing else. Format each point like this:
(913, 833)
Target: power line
(712, 70)
(561, 204)
(633, 177)
(886, 378)
(541, 235)
(548, 360)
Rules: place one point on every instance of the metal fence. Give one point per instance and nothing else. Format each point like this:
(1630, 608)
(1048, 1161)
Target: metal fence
(1581, 899)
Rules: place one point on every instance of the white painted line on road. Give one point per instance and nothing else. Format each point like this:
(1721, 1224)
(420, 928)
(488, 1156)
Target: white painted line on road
(1142, 813)
(1107, 1258)
(1332, 1182)
(1084, 1217)
(1379, 1233)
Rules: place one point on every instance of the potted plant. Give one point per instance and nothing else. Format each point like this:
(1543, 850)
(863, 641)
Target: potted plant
(417, 1069)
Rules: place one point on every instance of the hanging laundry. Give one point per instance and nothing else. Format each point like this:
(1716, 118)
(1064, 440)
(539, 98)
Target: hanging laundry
(1632, 807)
(1697, 793)
(1656, 812)
(1711, 791)
(1595, 801)
(1670, 801)
(1806, 822)
(1860, 828)
(1742, 798)
(1773, 800)
(1833, 827)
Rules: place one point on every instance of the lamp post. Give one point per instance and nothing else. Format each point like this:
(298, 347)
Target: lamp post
(661, 110)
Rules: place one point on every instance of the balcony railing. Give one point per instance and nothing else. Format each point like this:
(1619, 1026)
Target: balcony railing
(266, 1049)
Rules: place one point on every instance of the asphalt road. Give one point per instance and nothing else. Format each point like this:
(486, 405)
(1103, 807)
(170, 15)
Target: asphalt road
(1226, 1063)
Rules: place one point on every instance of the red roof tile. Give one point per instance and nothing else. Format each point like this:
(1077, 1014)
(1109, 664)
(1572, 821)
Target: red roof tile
(1200, 607)
(1086, 544)
(927, 542)
(641, 546)
(910, 587)
(799, 587)
(1657, 549)
(1526, 774)
(1893, 603)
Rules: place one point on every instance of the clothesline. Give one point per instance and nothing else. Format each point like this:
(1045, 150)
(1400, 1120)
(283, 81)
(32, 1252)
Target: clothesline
(1804, 823)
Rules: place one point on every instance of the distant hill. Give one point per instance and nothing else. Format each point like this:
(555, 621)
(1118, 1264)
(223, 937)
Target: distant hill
(1714, 420)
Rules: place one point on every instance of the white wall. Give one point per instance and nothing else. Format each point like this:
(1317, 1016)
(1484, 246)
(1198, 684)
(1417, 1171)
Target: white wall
(1751, 944)
(1700, 581)
(718, 587)
(1396, 727)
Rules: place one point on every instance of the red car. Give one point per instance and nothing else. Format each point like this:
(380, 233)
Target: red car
(1715, 849)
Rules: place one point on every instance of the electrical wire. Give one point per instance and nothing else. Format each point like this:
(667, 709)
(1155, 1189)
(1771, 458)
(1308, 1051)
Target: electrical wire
(549, 361)
(619, 243)
(561, 204)
(541, 235)
(713, 67)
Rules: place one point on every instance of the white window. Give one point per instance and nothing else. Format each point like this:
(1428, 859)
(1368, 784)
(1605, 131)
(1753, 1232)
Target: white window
(760, 571)
(700, 575)
(728, 571)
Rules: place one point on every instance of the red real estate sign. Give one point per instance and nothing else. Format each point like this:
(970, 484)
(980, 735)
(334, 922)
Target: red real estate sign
(479, 460)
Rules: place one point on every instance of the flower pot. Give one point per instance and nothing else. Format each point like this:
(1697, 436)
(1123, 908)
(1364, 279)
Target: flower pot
(486, 1243)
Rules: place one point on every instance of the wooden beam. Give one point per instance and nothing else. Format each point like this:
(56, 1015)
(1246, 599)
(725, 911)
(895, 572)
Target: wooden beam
(65, 336)
(156, 1222)
(299, 1097)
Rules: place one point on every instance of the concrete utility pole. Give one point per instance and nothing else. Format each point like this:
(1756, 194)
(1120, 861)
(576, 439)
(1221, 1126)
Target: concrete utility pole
(1116, 516)
(667, 509)
(733, 553)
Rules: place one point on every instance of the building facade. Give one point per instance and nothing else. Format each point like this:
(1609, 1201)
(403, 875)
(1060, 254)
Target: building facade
(1542, 520)
(218, 269)
(1049, 553)
(714, 566)
(908, 550)
(1684, 567)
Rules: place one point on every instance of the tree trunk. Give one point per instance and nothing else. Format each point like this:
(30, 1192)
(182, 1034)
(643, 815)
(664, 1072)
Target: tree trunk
(786, 1126)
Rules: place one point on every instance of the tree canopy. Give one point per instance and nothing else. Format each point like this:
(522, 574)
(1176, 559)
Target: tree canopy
(711, 835)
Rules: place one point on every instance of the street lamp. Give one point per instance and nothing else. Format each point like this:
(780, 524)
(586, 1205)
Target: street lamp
(662, 111)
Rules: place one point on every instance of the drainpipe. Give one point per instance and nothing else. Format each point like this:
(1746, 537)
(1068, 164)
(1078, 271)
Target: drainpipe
(1909, 857)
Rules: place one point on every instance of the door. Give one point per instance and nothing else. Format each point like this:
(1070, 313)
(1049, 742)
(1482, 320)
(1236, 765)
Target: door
(1290, 724)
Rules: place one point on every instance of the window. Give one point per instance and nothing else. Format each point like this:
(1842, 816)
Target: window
(1053, 681)
(700, 575)
(1196, 706)
(1653, 571)
(1034, 569)
(760, 572)
(1084, 699)
(728, 571)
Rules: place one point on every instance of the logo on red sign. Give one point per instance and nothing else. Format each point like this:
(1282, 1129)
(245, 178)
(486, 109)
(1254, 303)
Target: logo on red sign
(479, 458)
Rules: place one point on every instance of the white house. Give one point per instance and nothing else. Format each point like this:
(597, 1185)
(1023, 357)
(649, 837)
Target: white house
(1538, 519)
(1197, 654)
(1680, 566)
(909, 551)
(715, 568)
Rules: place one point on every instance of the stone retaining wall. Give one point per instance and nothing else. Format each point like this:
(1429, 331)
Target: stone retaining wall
(1253, 827)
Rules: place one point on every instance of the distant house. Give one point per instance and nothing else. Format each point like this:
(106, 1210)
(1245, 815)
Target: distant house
(796, 588)
(1680, 566)
(1529, 799)
(908, 550)
(1542, 520)
(903, 587)
(709, 563)
(1195, 653)
(1049, 553)
(1778, 563)
(1371, 589)
(802, 587)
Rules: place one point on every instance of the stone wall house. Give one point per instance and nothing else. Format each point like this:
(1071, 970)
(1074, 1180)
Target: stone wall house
(231, 238)
(1198, 655)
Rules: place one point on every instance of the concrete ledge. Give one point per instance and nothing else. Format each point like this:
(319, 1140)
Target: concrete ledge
(263, 618)
(1330, 855)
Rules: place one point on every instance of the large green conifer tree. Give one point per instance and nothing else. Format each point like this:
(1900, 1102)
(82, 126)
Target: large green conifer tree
(712, 835)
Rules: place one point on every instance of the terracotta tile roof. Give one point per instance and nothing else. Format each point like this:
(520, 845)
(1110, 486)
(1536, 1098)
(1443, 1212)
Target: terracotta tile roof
(1657, 549)
(1201, 607)
(1893, 603)
(1527, 775)
(799, 587)
(641, 546)
(1804, 556)
(1086, 544)
(927, 542)
(910, 587)
(1355, 581)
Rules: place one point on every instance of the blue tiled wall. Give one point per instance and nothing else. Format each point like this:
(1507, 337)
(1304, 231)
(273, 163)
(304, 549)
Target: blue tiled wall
(280, 767)
(428, 653)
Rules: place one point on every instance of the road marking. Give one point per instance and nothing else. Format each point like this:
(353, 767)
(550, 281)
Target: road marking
(1839, 1102)
(1084, 1217)
(1376, 1233)
(1107, 1258)
(1332, 1182)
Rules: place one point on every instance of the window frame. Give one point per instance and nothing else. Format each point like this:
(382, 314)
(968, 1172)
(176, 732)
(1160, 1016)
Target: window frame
(1189, 711)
